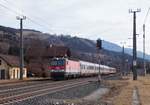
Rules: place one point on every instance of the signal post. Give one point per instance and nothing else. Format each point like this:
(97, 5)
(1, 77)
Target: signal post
(99, 47)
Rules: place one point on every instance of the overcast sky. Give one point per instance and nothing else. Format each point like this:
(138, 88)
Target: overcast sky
(106, 19)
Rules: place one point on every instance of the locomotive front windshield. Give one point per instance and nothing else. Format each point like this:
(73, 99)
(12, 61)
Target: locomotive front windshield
(57, 62)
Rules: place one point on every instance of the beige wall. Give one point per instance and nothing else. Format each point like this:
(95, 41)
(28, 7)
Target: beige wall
(25, 73)
(3, 64)
(11, 72)
(14, 73)
(5, 67)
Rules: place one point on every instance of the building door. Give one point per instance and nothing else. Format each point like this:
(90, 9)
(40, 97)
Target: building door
(17, 74)
(13, 74)
(2, 74)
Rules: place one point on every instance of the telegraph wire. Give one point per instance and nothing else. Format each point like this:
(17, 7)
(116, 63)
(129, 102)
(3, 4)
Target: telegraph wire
(39, 18)
(30, 19)
(146, 15)
(15, 12)
(34, 18)
(45, 25)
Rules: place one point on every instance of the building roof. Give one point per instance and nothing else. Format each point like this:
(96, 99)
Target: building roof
(10, 60)
(57, 51)
(50, 51)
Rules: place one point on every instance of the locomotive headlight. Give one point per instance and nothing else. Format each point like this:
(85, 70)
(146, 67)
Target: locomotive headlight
(62, 70)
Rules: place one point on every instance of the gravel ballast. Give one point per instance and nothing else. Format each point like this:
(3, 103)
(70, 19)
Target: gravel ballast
(63, 97)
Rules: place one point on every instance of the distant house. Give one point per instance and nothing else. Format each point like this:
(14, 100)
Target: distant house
(9, 67)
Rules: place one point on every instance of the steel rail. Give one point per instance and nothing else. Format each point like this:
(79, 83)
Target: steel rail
(21, 90)
(38, 85)
(28, 95)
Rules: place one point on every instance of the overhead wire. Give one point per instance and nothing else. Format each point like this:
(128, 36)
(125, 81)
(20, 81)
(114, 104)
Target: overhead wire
(43, 21)
(23, 14)
(45, 25)
(15, 12)
(146, 16)
(34, 18)
(39, 18)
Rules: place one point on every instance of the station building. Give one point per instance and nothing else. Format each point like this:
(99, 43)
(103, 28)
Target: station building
(9, 67)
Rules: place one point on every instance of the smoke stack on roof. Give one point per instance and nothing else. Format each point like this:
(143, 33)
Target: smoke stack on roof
(50, 45)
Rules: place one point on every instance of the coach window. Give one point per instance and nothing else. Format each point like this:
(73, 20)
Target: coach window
(81, 66)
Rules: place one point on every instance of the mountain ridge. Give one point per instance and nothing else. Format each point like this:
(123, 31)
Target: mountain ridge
(114, 47)
(105, 44)
(81, 48)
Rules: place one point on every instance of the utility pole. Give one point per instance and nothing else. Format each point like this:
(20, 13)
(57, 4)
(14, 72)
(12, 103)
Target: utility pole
(144, 63)
(134, 43)
(123, 65)
(21, 46)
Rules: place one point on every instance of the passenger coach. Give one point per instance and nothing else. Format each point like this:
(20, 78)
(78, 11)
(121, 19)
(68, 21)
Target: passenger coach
(61, 68)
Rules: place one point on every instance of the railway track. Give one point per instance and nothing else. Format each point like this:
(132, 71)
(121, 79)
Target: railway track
(21, 84)
(111, 76)
(20, 94)
(5, 93)
(13, 86)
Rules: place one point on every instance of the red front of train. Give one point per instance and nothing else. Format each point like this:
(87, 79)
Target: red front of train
(61, 68)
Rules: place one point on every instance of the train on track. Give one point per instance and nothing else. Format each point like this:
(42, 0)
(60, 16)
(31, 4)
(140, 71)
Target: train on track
(61, 68)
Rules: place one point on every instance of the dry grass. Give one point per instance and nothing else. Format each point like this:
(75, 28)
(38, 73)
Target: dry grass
(118, 95)
(144, 90)
(122, 90)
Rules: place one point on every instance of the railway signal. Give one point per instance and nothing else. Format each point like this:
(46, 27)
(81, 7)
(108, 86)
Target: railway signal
(99, 47)
(99, 44)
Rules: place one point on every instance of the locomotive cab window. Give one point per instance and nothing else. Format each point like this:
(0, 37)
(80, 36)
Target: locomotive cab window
(57, 63)
(53, 63)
